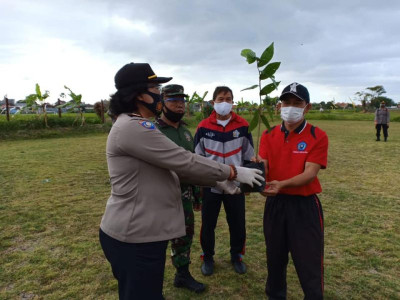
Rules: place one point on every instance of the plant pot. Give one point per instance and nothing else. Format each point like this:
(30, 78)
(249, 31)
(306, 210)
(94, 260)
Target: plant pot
(255, 189)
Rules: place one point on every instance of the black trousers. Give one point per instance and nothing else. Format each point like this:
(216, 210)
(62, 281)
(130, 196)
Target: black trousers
(294, 224)
(378, 130)
(138, 267)
(234, 206)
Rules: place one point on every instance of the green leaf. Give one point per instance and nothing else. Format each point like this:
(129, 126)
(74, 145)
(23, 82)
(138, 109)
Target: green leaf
(270, 112)
(266, 56)
(269, 70)
(265, 121)
(46, 95)
(254, 121)
(38, 92)
(250, 88)
(31, 99)
(76, 98)
(249, 54)
(204, 95)
(269, 88)
(274, 81)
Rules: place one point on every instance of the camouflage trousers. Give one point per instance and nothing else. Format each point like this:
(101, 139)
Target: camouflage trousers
(180, 247)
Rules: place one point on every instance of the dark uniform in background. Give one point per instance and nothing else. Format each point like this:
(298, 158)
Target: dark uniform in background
(190, 194)
(382, 119)
(181, 246)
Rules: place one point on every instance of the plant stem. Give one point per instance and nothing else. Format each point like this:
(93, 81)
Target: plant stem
(259, 114)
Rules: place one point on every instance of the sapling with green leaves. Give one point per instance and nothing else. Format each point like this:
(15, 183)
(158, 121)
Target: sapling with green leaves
(266, 70)
(33, 99)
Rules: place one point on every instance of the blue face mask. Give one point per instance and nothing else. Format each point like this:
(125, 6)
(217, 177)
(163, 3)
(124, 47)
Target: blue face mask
(156, 106)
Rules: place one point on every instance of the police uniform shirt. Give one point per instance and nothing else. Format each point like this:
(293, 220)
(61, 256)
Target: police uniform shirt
(145, 170)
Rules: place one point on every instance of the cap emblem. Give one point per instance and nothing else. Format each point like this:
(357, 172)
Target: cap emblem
(293, 87)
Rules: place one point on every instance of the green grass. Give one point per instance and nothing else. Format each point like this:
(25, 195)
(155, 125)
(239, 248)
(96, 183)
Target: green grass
(53, 194)
(33, 121)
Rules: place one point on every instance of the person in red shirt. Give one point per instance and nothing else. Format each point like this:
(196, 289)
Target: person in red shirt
(293, 153)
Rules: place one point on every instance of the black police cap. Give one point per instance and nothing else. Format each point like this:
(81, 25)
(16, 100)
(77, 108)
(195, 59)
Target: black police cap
(137, 73)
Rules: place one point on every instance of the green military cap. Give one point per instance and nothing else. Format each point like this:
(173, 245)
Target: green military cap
(173, 90)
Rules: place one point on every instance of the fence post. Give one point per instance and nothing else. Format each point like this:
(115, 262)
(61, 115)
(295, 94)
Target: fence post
(7, 109)
(102, 112)
(59, 109)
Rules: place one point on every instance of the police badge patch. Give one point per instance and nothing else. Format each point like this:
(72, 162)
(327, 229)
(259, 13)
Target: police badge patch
(147, 124)
(187, 136)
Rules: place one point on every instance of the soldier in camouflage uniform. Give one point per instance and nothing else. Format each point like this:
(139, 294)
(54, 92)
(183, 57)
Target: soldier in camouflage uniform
(171, 125)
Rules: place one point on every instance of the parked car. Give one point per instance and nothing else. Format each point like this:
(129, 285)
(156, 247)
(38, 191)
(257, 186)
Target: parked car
(12, 111)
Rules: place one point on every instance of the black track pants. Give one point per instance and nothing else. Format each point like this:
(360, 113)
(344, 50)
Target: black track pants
(138, 267)
(294, 224)
(234, 206)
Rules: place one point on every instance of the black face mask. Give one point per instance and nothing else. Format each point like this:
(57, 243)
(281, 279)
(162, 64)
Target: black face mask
(156, 106)
(172, 116)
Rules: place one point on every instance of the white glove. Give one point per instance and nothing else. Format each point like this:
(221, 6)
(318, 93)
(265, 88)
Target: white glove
(249, 176)
(228, 187)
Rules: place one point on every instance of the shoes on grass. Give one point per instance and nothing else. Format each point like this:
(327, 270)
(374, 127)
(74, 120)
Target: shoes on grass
(207, 268)
(239, 266)
(186, 280)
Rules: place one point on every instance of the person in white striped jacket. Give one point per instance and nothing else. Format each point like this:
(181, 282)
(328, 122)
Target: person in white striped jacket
(223, 137)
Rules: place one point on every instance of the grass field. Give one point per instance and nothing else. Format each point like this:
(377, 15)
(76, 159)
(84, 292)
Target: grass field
(53, 193)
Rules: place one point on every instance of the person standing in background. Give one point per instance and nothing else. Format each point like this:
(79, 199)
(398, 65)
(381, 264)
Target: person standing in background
(382, 120)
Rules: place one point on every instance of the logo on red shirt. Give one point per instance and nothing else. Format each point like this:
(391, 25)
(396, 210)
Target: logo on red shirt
(301, 146)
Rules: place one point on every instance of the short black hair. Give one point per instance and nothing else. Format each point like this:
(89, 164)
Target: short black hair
(125, 100)
(220, 89)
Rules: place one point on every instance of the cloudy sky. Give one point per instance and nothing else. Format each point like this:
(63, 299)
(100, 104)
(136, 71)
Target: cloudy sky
(335, 48)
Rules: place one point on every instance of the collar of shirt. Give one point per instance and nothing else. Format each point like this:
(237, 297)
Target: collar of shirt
(163, 124)
(298, 130)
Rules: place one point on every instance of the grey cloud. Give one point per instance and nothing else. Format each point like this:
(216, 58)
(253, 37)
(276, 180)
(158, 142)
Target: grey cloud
(335, 43)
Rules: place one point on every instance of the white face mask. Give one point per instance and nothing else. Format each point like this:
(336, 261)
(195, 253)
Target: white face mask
(223, 108)
(292, 114)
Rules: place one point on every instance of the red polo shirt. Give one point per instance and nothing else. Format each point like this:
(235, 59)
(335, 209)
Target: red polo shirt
(287, 154)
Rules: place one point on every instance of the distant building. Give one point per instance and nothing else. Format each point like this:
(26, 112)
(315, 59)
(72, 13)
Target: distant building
(342, 105)
(11, 102)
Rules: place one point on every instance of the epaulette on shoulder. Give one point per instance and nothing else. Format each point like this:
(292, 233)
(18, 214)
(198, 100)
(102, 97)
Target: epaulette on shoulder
(132, 115)
(312, 130)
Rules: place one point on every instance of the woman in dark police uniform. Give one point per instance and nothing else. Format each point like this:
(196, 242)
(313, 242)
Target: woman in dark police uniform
(145, 210)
